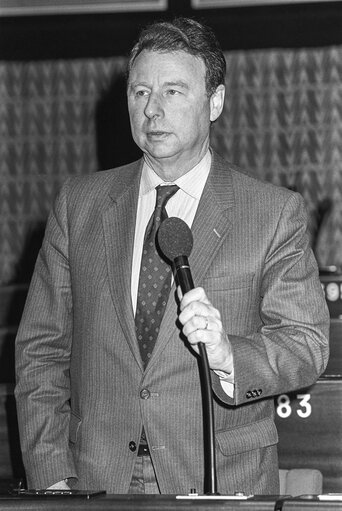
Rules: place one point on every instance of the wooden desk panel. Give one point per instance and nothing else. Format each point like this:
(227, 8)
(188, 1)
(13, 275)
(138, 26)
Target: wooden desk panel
(310, 431)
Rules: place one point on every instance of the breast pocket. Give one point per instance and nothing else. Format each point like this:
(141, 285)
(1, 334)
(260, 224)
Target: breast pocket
(236, 297)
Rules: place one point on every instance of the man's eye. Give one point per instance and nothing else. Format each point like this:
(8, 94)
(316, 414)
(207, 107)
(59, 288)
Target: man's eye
(173, 92)
(141, 93)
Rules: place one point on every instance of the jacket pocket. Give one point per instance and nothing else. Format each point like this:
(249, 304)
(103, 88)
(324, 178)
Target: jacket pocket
(74, 426)
(248, 437)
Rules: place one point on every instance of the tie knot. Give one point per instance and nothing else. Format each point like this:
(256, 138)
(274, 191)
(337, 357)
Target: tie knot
(164, 193)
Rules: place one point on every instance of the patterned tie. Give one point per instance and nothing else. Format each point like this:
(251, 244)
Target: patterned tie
(154, 280)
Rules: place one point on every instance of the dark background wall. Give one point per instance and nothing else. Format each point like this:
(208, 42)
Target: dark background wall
(288, 25)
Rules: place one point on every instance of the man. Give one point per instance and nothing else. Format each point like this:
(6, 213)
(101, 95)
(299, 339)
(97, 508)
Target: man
(90, 386)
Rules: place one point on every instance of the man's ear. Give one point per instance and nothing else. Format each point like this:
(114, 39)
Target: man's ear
(216, 102)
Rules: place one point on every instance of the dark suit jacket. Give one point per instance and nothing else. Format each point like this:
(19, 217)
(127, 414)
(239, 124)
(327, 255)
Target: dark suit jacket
(79, 374)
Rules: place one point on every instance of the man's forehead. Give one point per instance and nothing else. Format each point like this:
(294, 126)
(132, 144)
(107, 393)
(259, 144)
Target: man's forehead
(168, 61)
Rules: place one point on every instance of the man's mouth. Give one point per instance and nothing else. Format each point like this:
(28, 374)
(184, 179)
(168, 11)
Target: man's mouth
(157, 134)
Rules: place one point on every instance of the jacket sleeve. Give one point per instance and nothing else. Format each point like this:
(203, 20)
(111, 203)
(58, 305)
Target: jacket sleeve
(43, 348)
(291, 348)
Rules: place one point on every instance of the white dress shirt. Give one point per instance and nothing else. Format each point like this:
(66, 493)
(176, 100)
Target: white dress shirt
(182, 205)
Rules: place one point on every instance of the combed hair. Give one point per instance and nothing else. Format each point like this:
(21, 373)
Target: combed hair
(190, 36)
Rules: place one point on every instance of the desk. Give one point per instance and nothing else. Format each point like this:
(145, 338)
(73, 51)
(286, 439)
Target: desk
(310, 504)
(165, 503)
(134, 503)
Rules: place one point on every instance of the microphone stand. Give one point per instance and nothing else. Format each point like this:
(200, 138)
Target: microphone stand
(208, 419)
(186, 283)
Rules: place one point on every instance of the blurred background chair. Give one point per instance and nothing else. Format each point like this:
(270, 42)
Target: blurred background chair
(300, 481)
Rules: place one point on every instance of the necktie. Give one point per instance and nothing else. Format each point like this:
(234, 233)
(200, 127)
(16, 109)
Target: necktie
(154, 279)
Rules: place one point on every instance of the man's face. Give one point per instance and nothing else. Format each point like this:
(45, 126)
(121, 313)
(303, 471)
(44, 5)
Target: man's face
(169, 109)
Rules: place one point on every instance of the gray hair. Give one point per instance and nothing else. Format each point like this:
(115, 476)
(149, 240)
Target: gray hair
(190, 36)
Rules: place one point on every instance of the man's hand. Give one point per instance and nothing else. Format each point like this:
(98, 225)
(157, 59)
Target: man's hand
(202, 323)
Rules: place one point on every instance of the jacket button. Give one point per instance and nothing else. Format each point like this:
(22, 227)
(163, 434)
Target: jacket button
(145, 394)
(132, 446)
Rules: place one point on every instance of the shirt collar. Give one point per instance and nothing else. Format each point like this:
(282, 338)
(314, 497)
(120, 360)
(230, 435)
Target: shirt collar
(192, 183)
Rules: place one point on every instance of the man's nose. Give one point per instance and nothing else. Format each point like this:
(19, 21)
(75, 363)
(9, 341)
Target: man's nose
(153, 107)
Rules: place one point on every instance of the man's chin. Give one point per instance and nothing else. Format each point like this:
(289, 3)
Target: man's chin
(160, 151)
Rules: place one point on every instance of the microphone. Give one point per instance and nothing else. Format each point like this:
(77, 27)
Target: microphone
(175, 242)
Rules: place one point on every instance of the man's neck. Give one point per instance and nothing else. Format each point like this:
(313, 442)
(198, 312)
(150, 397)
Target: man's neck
(170, 170)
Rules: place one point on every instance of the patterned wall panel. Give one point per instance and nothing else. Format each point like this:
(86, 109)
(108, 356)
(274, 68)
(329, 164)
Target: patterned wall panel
(282, 121)
(47, 129)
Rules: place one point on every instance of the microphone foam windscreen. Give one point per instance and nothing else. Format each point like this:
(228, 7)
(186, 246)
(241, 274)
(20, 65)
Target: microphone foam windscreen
(175, 238)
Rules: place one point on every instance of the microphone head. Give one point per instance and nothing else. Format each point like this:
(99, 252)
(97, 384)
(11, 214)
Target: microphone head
(174, 238)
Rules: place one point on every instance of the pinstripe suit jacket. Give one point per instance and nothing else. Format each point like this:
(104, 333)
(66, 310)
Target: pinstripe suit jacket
(79, 373)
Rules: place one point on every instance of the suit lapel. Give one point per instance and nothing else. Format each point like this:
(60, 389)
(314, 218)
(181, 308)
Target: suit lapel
(212, 222)
(119, 227)
(211, 226)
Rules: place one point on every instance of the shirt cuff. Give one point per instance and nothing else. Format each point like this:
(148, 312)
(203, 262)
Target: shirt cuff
(227, 382)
